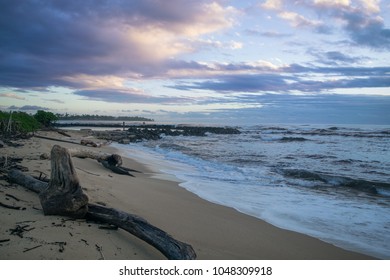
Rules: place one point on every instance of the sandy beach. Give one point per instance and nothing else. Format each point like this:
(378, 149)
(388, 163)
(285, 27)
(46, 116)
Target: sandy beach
(214, 231)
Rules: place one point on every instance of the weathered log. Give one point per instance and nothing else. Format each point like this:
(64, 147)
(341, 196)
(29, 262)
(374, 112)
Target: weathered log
(116, 169)
(10, 206)
(64, 195)
(170, 247)
(87, 142)
(27, 181)
(54, 139)
(112, 162)
(167, 245)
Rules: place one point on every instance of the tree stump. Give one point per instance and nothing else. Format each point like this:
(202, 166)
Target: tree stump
(64, 195)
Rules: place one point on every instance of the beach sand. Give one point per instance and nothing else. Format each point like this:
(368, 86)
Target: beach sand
(214, 231)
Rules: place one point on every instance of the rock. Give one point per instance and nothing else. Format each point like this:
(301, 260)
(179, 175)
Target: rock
(124, 141)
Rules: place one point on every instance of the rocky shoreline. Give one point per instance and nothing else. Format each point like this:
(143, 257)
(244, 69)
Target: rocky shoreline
(138, 133)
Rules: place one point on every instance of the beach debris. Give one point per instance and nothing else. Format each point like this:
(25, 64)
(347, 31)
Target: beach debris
(62, 133)
(100, 250)
(61, 246)
(112, 162)
(87, 171)
(29, 249)
(9, 162)
(64, 195)
(23, 222)
(64, 178)
(162, 241)
(43, 177)
(85, 242)
(12, 196)
(12, 207)
(20, 230)
(54, 139)
(87, 142)
(109, 227)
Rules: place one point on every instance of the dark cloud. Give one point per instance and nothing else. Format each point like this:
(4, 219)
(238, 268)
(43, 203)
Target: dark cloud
(335, 58)
(364, 26)
(303, 109)
(319, 108)
(367, 31)
(239, 83)
(43, 41)
(295, 78)
(121, 96)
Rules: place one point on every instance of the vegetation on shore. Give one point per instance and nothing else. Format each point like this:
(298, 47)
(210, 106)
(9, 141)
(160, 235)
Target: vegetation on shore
(12, 123)
(16, 122)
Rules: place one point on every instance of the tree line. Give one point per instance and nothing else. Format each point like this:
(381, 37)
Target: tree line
(21, 122)
(15, 122)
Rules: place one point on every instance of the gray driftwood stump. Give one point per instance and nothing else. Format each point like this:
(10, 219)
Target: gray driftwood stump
(64, 195)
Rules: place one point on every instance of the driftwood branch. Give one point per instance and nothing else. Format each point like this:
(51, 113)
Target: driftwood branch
(9, 206)
(162, 241)
(170, 247)
(55, 139)
(109, 161)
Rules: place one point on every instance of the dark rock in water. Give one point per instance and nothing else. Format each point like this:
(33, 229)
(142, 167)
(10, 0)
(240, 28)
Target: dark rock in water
(303, 174)
(293, 139)
(336, 181)
(362, 185)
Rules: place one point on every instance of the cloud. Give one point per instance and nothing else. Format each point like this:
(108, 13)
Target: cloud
(55, 100)
(272, 4)
(268, 34)
(298, 20)
(293, 78)
(336, 57)
(128, 96)
(325, 109)
(360, 19)
(49, 42)
(12, 95)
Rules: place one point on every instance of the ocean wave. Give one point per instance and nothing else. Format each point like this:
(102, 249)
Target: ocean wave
(370, 187)
(328, 131)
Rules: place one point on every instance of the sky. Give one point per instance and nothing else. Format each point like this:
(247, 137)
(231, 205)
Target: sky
(217, 61)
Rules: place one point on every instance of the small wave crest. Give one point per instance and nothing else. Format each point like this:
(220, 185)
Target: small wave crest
(370, 187)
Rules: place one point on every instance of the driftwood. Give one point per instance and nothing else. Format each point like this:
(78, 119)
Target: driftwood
(54, 139)
(170, 247)
(87, 142)
(10, 206)
(162, 241)
(112, 162)
(64, 195)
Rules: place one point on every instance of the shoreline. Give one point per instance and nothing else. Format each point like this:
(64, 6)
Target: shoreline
(214, 231)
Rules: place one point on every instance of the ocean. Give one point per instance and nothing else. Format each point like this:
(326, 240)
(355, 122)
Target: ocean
(329, 182)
